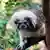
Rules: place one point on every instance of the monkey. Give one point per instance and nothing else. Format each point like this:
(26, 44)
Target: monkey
(31, 26)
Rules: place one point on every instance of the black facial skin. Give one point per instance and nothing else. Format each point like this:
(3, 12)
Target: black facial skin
(16, 22)
(26, 22)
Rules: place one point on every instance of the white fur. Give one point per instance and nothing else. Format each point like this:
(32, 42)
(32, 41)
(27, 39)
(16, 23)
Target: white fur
(20, 15)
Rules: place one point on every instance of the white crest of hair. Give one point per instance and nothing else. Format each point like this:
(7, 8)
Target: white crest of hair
(21, 14)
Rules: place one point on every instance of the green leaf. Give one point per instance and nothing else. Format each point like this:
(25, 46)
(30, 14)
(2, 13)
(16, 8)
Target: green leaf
(3, 21)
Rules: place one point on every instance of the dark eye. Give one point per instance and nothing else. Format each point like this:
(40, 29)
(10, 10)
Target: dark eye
(27, 18)
(17, 20)
(25, 22)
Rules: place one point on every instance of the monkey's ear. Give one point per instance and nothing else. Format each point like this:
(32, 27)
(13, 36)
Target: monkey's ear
(16, 21)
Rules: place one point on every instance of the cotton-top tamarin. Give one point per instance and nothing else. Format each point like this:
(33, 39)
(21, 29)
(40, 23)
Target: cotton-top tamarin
(31, 26)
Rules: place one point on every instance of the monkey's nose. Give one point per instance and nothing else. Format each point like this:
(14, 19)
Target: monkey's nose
(23, 26)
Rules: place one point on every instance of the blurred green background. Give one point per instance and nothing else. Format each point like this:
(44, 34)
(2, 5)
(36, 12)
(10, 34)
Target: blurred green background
(10, 38)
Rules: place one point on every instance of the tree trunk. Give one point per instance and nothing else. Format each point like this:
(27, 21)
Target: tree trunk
(46, 13)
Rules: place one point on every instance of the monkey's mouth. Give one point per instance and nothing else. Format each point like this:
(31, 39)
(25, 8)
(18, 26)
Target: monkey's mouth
(23, 25)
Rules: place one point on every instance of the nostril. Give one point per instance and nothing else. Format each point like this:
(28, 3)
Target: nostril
(25, 22)
(23, 26)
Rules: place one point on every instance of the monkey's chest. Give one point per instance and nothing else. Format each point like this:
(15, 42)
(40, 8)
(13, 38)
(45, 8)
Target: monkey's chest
(32, 34)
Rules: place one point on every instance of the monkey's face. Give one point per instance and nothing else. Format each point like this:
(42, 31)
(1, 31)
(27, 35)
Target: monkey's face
(25, 24)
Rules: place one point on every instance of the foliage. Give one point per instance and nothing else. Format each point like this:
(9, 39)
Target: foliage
(10, 38)
(13, 5)
(34, 47)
